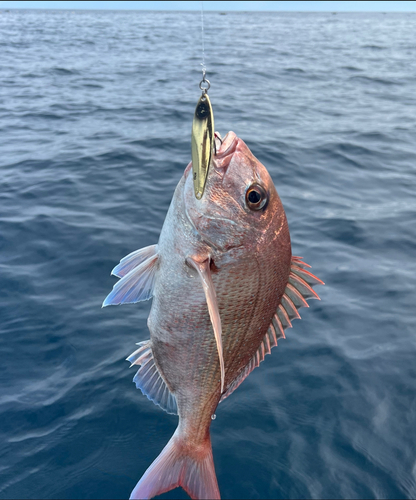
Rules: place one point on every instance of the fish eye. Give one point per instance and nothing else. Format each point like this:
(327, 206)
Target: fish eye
(256, 197)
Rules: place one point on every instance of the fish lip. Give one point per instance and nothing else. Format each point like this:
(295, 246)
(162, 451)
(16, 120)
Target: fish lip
(228, 146)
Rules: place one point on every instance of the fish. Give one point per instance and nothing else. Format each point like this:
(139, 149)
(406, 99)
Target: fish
(225, 287)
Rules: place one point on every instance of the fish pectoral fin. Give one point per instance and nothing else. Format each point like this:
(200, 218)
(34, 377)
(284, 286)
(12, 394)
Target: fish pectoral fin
(203, 269)
(136, 285)
(133, 260)
(298, 290)
(149, 380)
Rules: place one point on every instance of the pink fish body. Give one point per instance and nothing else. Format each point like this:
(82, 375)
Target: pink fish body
(224, 286)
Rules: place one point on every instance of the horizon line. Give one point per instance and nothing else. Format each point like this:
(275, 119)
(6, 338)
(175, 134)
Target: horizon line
(215, 11)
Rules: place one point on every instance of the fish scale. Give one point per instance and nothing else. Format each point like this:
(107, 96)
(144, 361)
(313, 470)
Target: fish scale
(225, 287)
(257, 319)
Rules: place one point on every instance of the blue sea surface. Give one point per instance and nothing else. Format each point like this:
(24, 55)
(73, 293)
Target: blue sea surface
(95, 119)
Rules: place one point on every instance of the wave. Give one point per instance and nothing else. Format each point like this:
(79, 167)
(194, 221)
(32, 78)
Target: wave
(63, 71)
(377, 80)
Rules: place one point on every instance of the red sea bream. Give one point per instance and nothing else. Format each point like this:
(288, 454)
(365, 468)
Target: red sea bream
(225, 286)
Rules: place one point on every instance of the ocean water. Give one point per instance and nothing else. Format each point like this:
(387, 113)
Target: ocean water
(95, 117)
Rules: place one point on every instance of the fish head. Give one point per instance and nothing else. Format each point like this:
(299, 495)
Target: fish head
(240, 206)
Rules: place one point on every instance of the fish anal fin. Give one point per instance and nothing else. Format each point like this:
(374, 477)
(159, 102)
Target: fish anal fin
(203, 269)
(150, 381)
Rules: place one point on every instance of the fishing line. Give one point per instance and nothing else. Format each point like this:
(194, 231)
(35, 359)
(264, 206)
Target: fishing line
(202, 40)
(204, 85)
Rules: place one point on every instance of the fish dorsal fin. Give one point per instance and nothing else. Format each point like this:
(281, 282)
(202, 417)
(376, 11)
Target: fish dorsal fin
(133, 260)
(298, 288)
(211, 298)
(136, 285)
(149, 380)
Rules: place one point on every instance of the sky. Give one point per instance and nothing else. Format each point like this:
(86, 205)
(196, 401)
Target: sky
(369, 6)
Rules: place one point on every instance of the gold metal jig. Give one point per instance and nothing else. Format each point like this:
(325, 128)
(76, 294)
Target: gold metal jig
(202, 139)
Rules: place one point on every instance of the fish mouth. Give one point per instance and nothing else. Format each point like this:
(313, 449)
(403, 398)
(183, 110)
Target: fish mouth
(225, 148)
(223, 152)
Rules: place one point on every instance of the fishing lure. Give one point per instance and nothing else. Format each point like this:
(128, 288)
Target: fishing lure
(202, 139)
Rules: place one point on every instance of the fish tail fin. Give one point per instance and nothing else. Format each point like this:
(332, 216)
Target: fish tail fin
(179, 465)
